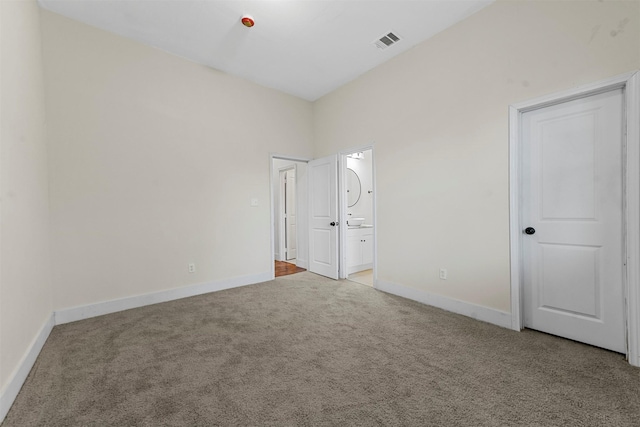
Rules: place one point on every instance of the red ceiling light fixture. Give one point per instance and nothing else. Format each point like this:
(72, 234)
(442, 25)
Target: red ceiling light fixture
(247, 21)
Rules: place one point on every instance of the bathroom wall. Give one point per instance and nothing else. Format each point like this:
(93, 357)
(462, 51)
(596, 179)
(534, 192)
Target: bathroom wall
(364, 168)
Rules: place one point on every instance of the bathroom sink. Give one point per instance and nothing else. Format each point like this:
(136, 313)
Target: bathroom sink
(355, 222)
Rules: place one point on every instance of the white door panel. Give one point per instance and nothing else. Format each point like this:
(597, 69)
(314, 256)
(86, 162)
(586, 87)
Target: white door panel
(323, 210)
(572, 197)
(291, 219)
(570, 270)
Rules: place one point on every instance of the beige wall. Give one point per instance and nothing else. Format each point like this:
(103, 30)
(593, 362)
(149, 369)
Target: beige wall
(154, 161)
(25, 287)
(438, 116)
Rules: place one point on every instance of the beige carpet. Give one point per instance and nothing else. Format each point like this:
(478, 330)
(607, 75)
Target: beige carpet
(306, 351)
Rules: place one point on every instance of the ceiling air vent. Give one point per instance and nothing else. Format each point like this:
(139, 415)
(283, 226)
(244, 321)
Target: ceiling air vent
(387, 40)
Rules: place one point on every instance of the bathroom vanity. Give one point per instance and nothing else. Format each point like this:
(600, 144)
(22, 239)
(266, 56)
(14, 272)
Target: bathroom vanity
(359, 248)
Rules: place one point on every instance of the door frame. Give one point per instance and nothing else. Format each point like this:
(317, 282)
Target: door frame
(630, 83)
(281, 210)
(272, 183)
(342, 210)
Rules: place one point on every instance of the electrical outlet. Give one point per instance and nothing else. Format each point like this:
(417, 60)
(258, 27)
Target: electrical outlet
(443, 274)
(192, 268)
(254, 202)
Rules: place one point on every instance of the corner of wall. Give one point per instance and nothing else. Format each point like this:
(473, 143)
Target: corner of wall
(20, 374)
(26, 294)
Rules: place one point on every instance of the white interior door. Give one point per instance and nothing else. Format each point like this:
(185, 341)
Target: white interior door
(572, 204)
(323, 216)
(291, 221)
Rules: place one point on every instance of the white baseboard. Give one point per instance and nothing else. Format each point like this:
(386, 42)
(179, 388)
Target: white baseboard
(12, 389)
(478, 312)
(302, 263)
(87, 311)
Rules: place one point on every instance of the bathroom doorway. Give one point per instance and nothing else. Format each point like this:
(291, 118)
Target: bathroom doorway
(358, 213)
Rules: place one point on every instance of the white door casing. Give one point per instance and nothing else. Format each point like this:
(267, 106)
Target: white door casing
(630, 84)
(290, 215)
(323, 211)
(572, 197)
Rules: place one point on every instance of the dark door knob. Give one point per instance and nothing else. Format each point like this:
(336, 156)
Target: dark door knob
(530, 230)
(333, 224)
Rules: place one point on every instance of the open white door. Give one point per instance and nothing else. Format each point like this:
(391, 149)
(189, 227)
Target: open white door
(291, 220)
(323, 216)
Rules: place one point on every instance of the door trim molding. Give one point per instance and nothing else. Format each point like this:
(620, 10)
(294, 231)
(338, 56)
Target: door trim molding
(630, 83)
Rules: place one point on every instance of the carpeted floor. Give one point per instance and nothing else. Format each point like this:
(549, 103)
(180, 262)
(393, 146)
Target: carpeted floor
(305, 351)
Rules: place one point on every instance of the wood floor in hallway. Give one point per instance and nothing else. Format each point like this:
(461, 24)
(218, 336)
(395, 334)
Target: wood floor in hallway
(285, 268)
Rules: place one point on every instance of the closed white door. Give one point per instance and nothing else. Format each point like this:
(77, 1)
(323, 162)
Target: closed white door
(323, 216)
(290, 214)
(573, 251)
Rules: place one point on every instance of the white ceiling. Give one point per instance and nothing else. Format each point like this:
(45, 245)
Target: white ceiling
(306, 48)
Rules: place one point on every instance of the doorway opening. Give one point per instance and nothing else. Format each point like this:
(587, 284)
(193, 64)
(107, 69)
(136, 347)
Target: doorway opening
(289, 212)
(329, 221)
(357, 194)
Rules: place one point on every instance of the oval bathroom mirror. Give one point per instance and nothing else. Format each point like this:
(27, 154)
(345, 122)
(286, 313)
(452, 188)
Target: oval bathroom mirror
(353, 187)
